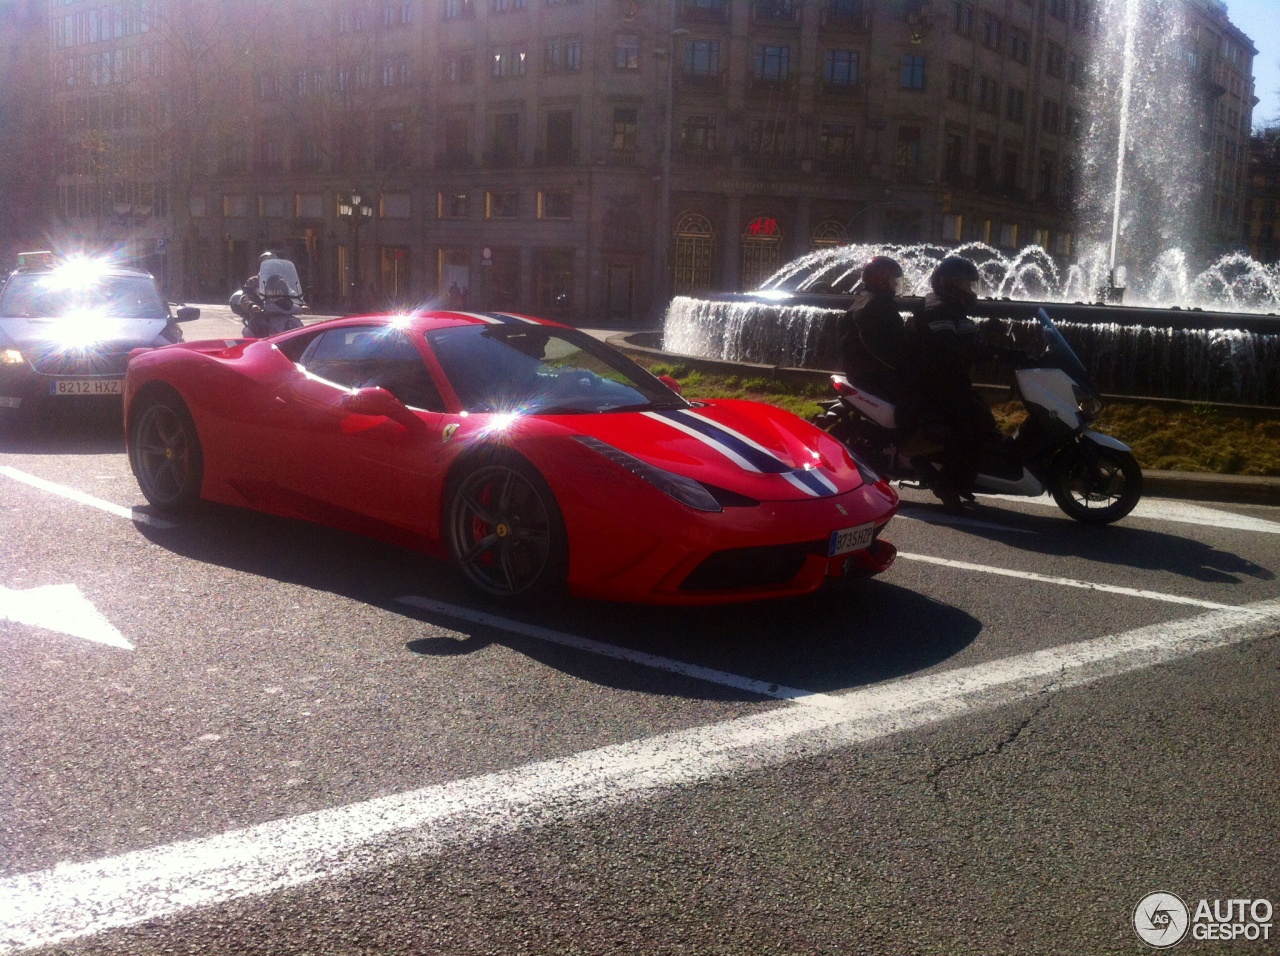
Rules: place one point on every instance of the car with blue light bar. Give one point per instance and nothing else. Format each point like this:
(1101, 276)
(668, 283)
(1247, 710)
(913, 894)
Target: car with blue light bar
(67, 326)
(537, 459)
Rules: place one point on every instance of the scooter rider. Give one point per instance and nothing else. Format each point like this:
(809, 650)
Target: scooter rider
(944, 344)
(873, 340)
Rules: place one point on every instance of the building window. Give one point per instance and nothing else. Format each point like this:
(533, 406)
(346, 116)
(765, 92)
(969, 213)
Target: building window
(1019, 45)
(768, 137)
(508, 61)
(451, 204)
(840, 68)
(1011, 178)
(1015, 105)
(912, 72)
(394, 206)
(962, 18)
(773, 63)
(558, 146)
(906, 156)
(988, 94)
(624, 131)
(506, 6)
(835, 141)
(1076, 73)
(555, 203)
(957, 83)
(397, 14)
(991, 30)
(459, 9)
(761, 250)
(1054, 57)
(698, 134)
(501, 204)
(1058, 9)
(702, 57)
(626, 51)
(562, 54)
(505, 145)
(1051, 116)
(459, 68)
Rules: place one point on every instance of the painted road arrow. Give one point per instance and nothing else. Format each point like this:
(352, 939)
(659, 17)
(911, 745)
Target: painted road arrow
(61, 608)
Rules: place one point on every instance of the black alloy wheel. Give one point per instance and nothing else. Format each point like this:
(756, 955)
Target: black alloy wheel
(165, 453)
(1099, 492)
(504, 530)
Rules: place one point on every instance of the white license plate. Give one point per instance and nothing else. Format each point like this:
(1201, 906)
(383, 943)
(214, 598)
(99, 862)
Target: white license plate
(86, 386)
(850, 539)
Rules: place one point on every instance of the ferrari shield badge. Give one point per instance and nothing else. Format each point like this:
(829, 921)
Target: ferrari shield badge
(448, 431)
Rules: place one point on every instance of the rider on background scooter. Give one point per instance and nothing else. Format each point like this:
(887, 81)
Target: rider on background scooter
(944, 344)
(873, 340)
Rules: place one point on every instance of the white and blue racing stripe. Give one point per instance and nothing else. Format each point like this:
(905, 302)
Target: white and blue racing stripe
(743, 451)
(499, 318)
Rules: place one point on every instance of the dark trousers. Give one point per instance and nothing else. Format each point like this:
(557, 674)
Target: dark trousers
(969, 426)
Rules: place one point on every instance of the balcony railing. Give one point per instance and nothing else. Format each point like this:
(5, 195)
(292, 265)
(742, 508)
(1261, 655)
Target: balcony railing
(701, 81)
(845, 20)
(770, 162)
(839, 166)
(771, 86)
(454, 159)
(840, 90)
(775, 13)
(559, 156)
(502, 157)
(700, 158)
(704, 13)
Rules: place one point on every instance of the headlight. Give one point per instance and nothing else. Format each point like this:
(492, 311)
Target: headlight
(1088, 403)
(11, 357)
(684, 490)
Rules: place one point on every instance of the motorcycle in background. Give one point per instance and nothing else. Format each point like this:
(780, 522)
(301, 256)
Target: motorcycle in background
(271, 301)
(1093, 477)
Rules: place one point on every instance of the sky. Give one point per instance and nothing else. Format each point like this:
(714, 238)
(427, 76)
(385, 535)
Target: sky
(1258, 19)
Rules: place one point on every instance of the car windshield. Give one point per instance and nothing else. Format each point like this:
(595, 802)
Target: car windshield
(50, 295)
(540, 369)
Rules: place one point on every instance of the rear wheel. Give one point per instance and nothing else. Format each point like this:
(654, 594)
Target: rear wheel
(1101, 491)
(504, 529)
(165, 453)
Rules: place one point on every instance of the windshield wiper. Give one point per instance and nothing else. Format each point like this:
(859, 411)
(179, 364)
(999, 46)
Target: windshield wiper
(649, 407)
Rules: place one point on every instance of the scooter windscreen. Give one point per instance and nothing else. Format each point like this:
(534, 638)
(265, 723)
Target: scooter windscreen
(1060, 353)
(278, 277)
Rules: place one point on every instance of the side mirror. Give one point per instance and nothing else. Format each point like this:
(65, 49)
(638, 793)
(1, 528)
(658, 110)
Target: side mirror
(377, 401)
(188, 313)
(671, 383)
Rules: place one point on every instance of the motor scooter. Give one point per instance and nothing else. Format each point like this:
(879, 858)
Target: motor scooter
(271, 301)
(1093, 477)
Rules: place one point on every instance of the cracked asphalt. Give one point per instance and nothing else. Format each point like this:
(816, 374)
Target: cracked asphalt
(274, 674)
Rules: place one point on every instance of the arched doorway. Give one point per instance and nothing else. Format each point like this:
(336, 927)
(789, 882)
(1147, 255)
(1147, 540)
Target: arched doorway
(761, 250)
(828, 234)
(695, 249)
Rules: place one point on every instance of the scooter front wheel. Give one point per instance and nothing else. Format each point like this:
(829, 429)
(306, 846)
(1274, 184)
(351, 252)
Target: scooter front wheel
(1101, 490)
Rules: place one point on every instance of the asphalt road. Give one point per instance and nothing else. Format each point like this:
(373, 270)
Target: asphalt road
(234, 734)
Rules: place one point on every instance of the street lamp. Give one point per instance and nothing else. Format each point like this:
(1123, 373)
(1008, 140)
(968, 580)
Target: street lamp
(356, 212)
(662, 247)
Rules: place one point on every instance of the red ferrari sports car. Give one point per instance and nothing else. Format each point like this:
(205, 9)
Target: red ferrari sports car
(532, 455)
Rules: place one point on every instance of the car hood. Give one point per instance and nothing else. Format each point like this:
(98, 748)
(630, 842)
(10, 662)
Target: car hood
(750, 448)
(109, 334)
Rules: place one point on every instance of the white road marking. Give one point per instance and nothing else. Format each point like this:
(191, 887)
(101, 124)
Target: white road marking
(85, 499)
(61, 608)
(1066, 582)
(962, 522)
(1171, 509)
(763, 688)
(72, 900)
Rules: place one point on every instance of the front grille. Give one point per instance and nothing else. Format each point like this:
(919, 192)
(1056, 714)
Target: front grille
(737, 568)
(78, 362)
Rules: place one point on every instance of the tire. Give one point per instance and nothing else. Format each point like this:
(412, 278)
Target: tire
(504, 530)
(1078, 493)
(165, 453)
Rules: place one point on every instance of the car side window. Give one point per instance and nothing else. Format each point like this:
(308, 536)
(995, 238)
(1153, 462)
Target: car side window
(368, 356)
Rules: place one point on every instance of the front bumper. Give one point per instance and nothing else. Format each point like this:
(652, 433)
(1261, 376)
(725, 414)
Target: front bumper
(774, 550)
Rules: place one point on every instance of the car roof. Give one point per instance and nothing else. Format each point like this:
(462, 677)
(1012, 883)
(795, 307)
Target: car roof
(432, 319)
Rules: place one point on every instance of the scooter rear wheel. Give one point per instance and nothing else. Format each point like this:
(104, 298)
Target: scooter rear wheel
(1098, 496)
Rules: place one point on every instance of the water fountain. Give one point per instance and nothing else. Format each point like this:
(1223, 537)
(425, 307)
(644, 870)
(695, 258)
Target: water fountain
(1210, 334)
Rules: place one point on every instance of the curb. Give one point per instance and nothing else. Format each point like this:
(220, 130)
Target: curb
(1187, 485)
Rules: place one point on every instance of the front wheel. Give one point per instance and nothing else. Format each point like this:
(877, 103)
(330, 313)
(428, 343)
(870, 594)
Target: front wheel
(505, 531)
(165, 453)
(1098, 486)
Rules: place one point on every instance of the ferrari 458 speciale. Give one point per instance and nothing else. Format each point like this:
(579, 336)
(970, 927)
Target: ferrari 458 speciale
(535, 457)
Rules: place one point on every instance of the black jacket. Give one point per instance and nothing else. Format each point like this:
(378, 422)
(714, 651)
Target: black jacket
(873, 345)
(944, 344)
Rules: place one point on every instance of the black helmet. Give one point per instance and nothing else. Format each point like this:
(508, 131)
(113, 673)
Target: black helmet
(950, 272)
(881, 274)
